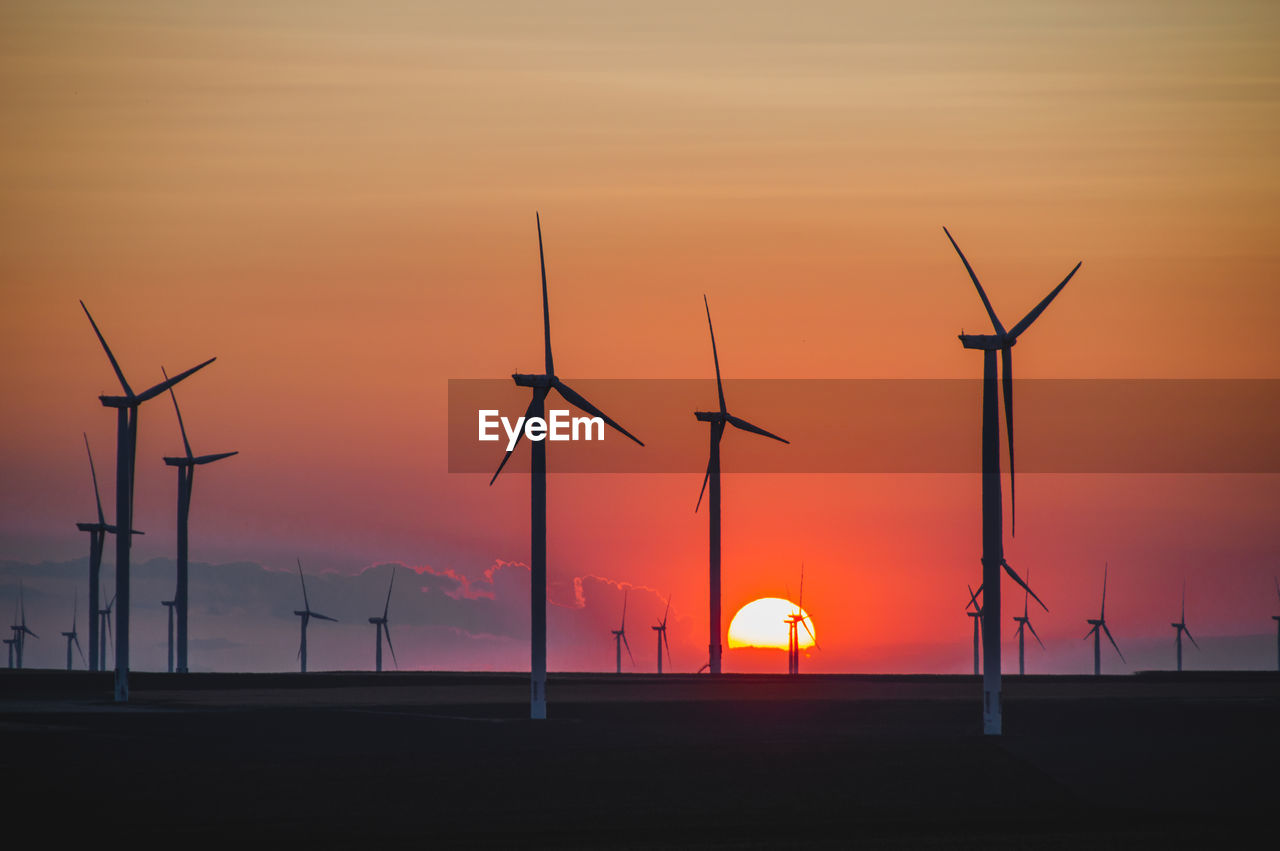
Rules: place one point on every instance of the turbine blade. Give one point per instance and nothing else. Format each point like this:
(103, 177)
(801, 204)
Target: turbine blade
(666, 644)
(386, 630)
(665, 612)
(520, 434)
(165, 385)
(705, 479)
(217, 456)
(319, 616)
(1039, 308)
(546, 310)
(306, 604)
(625, 594)
(1031, 627)
(627, 645)
(392, 584)
(97, 497)
(739, 422)
(1188, 632)
(714, 355)
(576, 399)
(178, 411)
(1184, 602)
(1089, 633)
(1018, 579)
(1102, 615)
(1113, 642)
(995, 320)
(1006, 355)
(973, 599)
(119, 373)
(81, 649)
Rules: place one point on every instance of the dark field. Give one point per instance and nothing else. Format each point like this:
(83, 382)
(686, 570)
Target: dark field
(759, 761)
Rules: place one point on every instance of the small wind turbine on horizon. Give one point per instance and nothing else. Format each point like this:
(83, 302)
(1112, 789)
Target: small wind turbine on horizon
(993, 560)
(620, 634)
(718, 420)
(1100, 626)
(104, 628)
(384, 624)
(1276, 618)
(794, 621)
(306, 614)
(542, 385)
(976, 616)
(661, 629)
(169, 604)
(127, 407)
(1024, 624)
(186, 466)
(1181, 626)
(71, 636)
(20, 629)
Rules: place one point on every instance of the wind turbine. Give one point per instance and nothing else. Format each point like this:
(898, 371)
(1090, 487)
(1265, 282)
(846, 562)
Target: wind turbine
(976, 615)
(620, 635)
(1100, 626)
(794, 620)
(71, 637)
(384, 624)
(718, 419)
(306, 614)
(661, 629)
(993, 559)
(169, 604)
(97, 534)
(20, 629)
(1181, 626)
(1024, 624)
(542, 385)
(1276, 618)
(186, 476)
(104, 625)
(126, 450)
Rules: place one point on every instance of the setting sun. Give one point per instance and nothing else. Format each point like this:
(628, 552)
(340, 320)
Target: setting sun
(763, 623)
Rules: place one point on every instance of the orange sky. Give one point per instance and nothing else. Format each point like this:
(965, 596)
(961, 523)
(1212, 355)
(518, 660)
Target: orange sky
(338, 203)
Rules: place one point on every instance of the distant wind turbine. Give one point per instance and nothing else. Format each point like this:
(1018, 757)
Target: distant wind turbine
(126, 450)
(306, 614)
(993, 559)
(976, 615)
(104, 627)
(718, 419)
(661, 629)
(1024, 624)
(169, 604)
(186, 465)
(794, 621)
(1181, 626)
(542, 385)
(71, 636)
(20, 629)
(1100, 626)
(620, 635)
(383, 624)
(1276, 618)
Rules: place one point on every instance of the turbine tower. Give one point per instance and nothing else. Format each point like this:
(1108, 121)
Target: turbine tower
(306, 614)
(71, 637)
(976, 615)
(542, 385)
(620, 635)
(1100, 626)
(993, 559)
(1024, 624)
(717, 420)
(1181, 626)
(383, 624)
(169, 604)
(794, 620)
(104, 626)
(10, 642)
(98, 531)
(20, 629)
(126, 449)
(661, 629)
(186, 476)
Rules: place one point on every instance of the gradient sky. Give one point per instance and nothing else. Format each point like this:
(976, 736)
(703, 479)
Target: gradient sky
(338, 202)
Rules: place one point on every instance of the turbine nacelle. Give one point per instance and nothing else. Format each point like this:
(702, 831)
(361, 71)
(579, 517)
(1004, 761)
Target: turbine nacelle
(524, 380)
(987, 342)
(711, 416)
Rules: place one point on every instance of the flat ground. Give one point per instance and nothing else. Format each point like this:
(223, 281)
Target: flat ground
(754, 761)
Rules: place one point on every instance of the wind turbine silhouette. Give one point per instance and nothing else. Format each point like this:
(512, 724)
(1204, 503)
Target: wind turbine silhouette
(718, 419)
(98, 531)
(620, 634)
(1100, 626)
(794, 620)
(186, 476)
(1024, 624)
(20, 629)
(169, 604)
(71, 637)
(976, 615)
(104, 625)
(993, 559)
(1181, 626)
(384, 624)
(126, 450)
(1276, 618)
(542, 385)
(661, 629)
(306, 614)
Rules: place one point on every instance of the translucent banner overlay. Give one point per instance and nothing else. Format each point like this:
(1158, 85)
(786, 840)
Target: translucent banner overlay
(889, 426)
